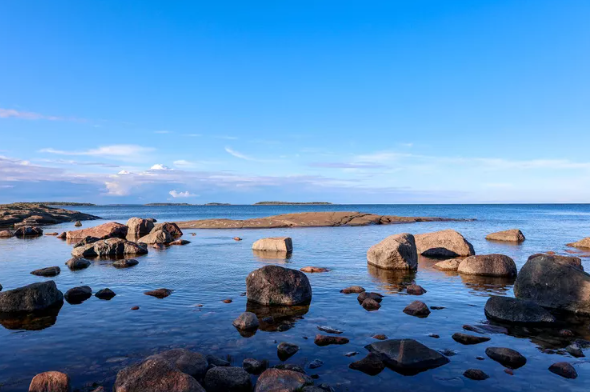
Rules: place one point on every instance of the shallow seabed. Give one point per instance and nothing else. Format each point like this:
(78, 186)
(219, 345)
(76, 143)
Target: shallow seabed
(92, 341)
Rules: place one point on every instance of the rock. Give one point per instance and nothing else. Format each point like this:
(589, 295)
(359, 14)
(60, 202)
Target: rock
(78, 224)
(216, 361)
(275, 244)
(138, 227)
(396, 252)
(86, 241)
(180, 242)
(28, 232)
(513, 235)
(189, 362)
(30, 214)
(566, 260)
(365, 295)
(170, 227)
(380, 337)
(126, 263)
(407, 356)
(1, 287)
(274, 285)
(77, 263)
(488, 265)
(135, 308)
(53, 234)
(448, 265)
(507, 357)
(351, 354)
(155, 375)
(370, 304)
(371, 365)
(414, 289)
(566, 333)
(286, 350)
(563, 369)
(466, 339)
(485, 328)
(443, 244)
(583, 243)
(106, 294)
(77, 295)
(104, 231)
(246, 321)
(325, 340)
(50, 382)
(353, 290)
(31, 298)
(475, 374)
(237, 239)
(254, 366)
(575, 351)
(159, 293)
(316, 363)
(277, 380)
(158, 235)
(329, 329)
(47, 272)
(227, 379)
(6, 234)
(109, 248)
(227, 301)
(417, 308)
(62, 236)
(517, 311)
(554, 285)
(314, 269)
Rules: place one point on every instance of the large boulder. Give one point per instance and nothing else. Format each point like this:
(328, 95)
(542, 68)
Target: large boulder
(553, 284)
(31, 298)
(274, 244)
(396, 252)
(443, 244)
(274, 285)
(6, 234)
(567, 260)
(138, 227)
(109, 248)
(155, 375)
(171, 228)
(77, 295)
(50, 382)
(86, 241)
(106, 230)
(28, 232)
(488, 265)
(189, 362)
(513, 235)
(516, 311)
(227, 379)
(273, 380)
(157, 236)
(583, 243)
(407, 356)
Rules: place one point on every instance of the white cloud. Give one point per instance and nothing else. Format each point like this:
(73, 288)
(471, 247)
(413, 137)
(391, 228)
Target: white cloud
(118, 151)
(159, 166)
(19, 114)
(184, 194)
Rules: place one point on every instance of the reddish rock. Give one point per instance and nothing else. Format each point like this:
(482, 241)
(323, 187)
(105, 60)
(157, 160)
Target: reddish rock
(370, 304)
(353, 290)
(159, 293)
(510, 358)
(414, 289)
(380, 337)
(418, 309)
(106, 230)
(237, 239)
(50, 382)
(467, 339)
(371, 365)
(325, 340)
(513, 235)
(6, 234)
(109, 248)
(155, 375)
(564, 369)
(135, 308)
(171, 228)
(277, 380)
(138, 227)
(314, 269)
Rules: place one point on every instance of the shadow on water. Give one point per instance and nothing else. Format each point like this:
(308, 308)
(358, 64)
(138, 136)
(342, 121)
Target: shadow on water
(391, 281)
(34, 321)
(277, 318)
(487, 285)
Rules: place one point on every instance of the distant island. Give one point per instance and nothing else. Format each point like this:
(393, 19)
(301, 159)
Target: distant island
(218, 204)
(272, 203)
(167, 204)
(61, 203)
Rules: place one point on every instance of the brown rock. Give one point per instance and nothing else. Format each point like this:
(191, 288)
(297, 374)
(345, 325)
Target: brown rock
(138, 227)
(380, 337)
(237, 239)
(50, 382)
(510, 358)
(417, 308)
(448, 265)
(6, 234)
(125, 263)
(109, 248)
(52, 234)
(475, 374)
(443, 244)
(274, 285)
(78, 224)
(396, 252)
(192, 363)
(180, 242)
(274, 244)
(583, 243)
(407, 356)
(47, 272)
(371, 365)
(227, 301)
(246, 321)
(77, 263)
(466, 339)
(26, 231)
(513, 235)
(314, 269)
(106, 230)
(370, 304)
(564, 369)
(62, 236)
(374, 296)
(414, 289)
(135, 308)
(171, 228)
(158, 235)
(488, 265)
(353, 290)
(277, 380)
(155, 375)
(159, 293)
(325, 340)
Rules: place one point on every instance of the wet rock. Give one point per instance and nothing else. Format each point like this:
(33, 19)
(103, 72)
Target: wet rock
(564, 369)
(353, 290)
(227, 301)
(105, 294)
(565, 260)
(286, 350)
(275, 244)
(135, 308)
(485, 328)
(437, 307)
(371, 365)
(125, 263)
(351, 354)
(159, 293)
(1, 287)
(180, 242)
(407, 356)
(325, 340)
(380, 337)
(31, 298)
(216, 361)
(85, 241)
(433, 335)
(138, 227)
(575, 351)
(314, 269)
(192, 363)
(466, 339)
(277, 380)
(47, 272)
(77, 263)
(62, 236)
(53, 234)
(155, 375)
(374, 296)
(507, 357)
(77, 295)
(274, 285)
(488, 265)
(104, 231)
(370, 304)
(316, 363)
(247, 321)
(254, 366)
(414, 289)
(513, 235)
(327, 329)
(157, 236)
(448, 265)
(517, 311)
(110, 247)
(565, 333)
(396, 252)
(50, 382)
(227, 379)
(443, 244)
(475, 374)
(78, 224)
(237, 239)
(28, 232)
(170, 227)
(583, 243)
(448, 352)
(290, 366)
(417, 308)
(6, 234)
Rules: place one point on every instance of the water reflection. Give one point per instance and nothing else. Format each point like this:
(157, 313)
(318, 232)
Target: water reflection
(488, 285)
(35, 321)
(277, 318)
(276, 257)
(391, 281)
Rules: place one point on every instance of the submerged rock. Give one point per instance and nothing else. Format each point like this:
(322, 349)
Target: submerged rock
(159, 293)
(417, 308)
(155, 375)
(516, 311)
(192, 363)
(126, 263)
(274, 244)
(448, 265)
(564, 369)
(314, 269)
(50, 382)
(77, 295)
(246, 321)
(47, 272)
(407, 356)
(466, 339)
(443, 244)
(513, 235)
(180, 242)
(227, 379)
(371, 365)
(414, 289)
(510, 358)
(31, 298)
(327, 329)
(353, 290)
(488, 265)
(286, 350)
(324, 340)
(476, 374)
(583, 243)
(277, 380)
(274, 285)
(396, 252)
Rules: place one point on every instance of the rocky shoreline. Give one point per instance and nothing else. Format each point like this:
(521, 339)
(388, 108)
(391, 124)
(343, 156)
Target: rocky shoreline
(32, 214)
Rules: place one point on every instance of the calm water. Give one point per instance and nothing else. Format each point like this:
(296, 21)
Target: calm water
(93, 340)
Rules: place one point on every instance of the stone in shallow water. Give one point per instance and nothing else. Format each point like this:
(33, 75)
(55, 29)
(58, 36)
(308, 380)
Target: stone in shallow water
(247, 321)
(192, 363)
(274, 244)
(327, 329)
(310, 269)
(510, 358)
(485, 328)
(316, 363)
(448, 265)
(227, 379)
(273, 380)
(353, 290)
(517, 311)
(159, 293)
(418, 309)
(396, 252)
(286, 350)
(466, 339)
(254, 366)
(126, 263)
(47, 272)
(274, 285)
(324, 340)
(31, 298)
(365, 295)
(106, 294)
(370, 304)
(371, 364)
(564, 369)
(443, 244)
(155, 375)
(513, 235)
(77, 295)
(475, 374)
(488, 265)
(50, 382)
(414, 289)
(407, 356)
(77, 263)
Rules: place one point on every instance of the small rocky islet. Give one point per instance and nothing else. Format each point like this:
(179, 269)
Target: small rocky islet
(543, 293)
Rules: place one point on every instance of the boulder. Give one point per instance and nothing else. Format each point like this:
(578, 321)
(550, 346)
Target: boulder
(125, 263)
(170, 227)
(158, 235)
(77, 263)
(6, 234)
(50, 382)
(443, 244)
(155, 375)
(62, 236)
(77, 295)
(507, 357)
(104, 231)
(366, 295)
(564, 369)
(488, 265)
(78, 224)
(227, 379)
(138, 227)
(467, 339)
(192, 363)
(277, 380)
(475, 374)
(415, 289)
(567, 260)
(275, 244)
(109, 248)
(407, 356)
(159, 293)
(47, 272)
(274, 285)
(396, 252)
(418, 309)
(370, 304)
(513, 235)
(247, 321)
(448, 265)
(371, 365)
(516, 311)
(105, 294)
(554, 285)
(312, 270)
(325, 340)
(254, 366)
(28, 232)
(31, 298)
(85, 241)
(286, 350)
(583, 243)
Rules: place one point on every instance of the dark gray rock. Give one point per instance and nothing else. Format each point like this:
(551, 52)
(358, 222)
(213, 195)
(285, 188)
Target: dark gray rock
(126, 263)
(371, 364)
(192, 363)
(274, 285)
(476, 374)
(77, 263)
(286, 350)
(407, 356)
(516, 311)
(564, 369)
(510, 358)
(31, 298)
(77, 295)
(106, 294)
(254, 366)
(466, 339)
(47, 272)
(216, 361)
(227, 379)
(418, 309)
(247, 321)
(85, 241)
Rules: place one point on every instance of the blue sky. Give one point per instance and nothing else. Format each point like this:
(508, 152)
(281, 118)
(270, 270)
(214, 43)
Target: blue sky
(408, 101)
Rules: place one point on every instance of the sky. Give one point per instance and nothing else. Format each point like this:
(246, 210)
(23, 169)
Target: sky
(397, 101)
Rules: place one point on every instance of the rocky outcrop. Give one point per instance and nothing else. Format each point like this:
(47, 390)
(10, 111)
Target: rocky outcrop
(274, 285)
(155, 375)
(513, 235)
(396, 252)
(104, 231)
(50, 382)
(516, 311)
(306, 219)
(138, 227)
(31, 298)
(488, 265)
(274, 380)
(274, 244)
(47, 272)
(157, 236)
(407, 356)
(443, 244)
(554, 285)
(34, 214)
(27, 231)
(583, 243)
(227, 379)
(109, 248)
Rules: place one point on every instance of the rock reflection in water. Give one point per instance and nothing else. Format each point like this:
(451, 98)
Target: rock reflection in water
(277, 318)
(486, 285)
(391, 281)
(35, 321)
(276, 257)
